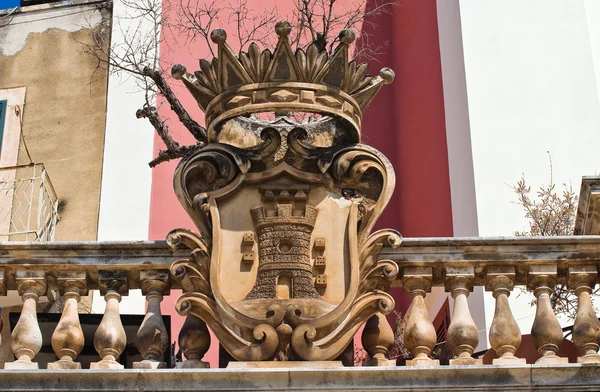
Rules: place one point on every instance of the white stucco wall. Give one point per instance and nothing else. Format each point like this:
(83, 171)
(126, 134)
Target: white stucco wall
(126, 177)
(458, 139)
(532, 74)
(126, 180)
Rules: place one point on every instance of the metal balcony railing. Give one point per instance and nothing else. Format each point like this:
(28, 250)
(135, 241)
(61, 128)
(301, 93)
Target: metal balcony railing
(28, 204)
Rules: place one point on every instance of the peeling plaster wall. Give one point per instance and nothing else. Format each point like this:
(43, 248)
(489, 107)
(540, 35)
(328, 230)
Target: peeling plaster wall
(64, 114)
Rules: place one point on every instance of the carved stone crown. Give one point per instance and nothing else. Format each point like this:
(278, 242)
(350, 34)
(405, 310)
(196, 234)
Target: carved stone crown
(283, 81)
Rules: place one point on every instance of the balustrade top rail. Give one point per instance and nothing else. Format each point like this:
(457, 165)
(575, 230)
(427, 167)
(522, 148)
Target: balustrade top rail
(458, 264)
(438, 253)
(90, 257)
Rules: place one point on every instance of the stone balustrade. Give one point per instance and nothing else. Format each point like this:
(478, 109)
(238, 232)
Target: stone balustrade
(457, 265)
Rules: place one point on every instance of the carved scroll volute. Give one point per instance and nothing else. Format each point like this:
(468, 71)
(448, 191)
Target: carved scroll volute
(546, 330)
(463, 336)
(194, 341)
(152, 336)
(419, 333)
(208, 170)
(350, 166)
(68, 339)
(505, 335)
(377, 340)
(586, 329)
(27, 336)
(110, 338)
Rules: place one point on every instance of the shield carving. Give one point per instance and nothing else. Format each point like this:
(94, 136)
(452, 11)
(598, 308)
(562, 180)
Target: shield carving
(285, 267)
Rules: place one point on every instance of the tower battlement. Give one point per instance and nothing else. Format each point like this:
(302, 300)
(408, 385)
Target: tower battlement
(284, 215)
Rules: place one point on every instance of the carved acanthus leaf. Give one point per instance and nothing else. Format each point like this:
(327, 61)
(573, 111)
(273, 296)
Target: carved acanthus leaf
(369, 251)
(193, 272)
(379, 276)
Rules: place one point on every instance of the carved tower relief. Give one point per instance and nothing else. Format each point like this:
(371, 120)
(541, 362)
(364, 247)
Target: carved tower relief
(285, 265)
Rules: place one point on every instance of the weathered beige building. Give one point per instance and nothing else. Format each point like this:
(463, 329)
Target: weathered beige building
(54, 112)
(56, 105)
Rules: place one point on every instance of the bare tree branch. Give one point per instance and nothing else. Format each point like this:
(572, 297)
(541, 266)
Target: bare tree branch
(251, 26)
(195, 19)
(550, 214)
(174, 150)
(168, 155)
(195, 129)
(159, 125)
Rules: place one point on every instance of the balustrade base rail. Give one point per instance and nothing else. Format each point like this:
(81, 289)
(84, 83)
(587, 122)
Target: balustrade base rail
(572, 377)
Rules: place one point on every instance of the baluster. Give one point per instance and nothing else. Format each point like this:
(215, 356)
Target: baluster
(194, 341)
(110, 338)
(586, 329)
(505, 335)
(419, 334)
(152, 336)
(67, 339)
(27, 336)
(463, 335)
(377, 339)
(546, 330)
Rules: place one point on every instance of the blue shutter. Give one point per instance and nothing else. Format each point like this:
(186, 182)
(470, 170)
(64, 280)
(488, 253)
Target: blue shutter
(8, 4)
(3, 105)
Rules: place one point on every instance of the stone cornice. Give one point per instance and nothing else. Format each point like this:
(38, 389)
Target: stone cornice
(438, 253)
(521, 252)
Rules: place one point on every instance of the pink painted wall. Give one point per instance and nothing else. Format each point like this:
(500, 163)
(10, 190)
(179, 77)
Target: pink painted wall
(405, 122)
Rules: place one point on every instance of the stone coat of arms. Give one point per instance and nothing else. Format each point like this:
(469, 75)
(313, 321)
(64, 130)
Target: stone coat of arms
(286, 264)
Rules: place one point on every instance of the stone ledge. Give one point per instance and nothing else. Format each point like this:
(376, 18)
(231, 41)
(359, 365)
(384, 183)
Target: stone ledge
(573, 377)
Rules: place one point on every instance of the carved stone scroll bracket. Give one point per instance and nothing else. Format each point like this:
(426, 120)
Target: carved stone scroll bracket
(505, 335)
(463, 335)
(586, 329)
(546, 330)
(354, 167)
(110, 338)
(213, 168)
(27, 336)
(377, 340)
(306, 344)
(152, 336)
(419, 333)
(265, 340)
(68, 339)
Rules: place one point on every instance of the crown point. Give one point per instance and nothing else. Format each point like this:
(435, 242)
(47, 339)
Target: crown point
(178, 71)
(283, 28)
(387, 75)
(347, 36)
(218, 36)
